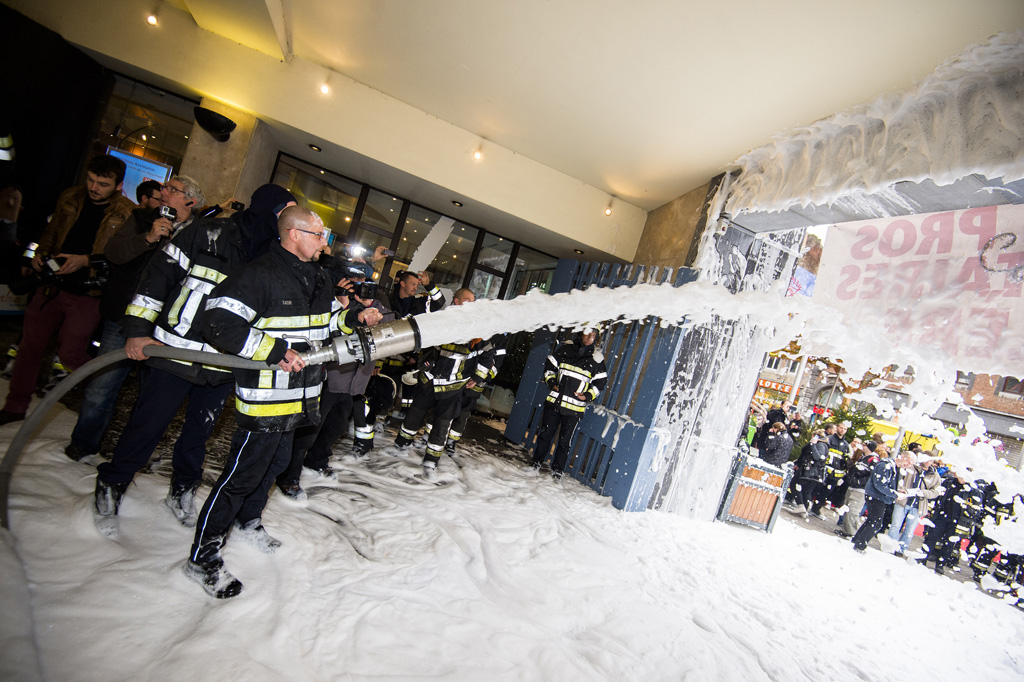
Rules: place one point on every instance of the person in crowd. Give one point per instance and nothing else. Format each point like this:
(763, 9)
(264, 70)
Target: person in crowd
(778, 413)
(169, 308)
(862, 462)
(128, 251)
(13, 237)
(576, 374)
(149, 194)
(82, 223)
(404, 301)
(982, 548)
(835, 470)
(917, 486)
(879, 491)
(260, 312)
(442, 372)
(492, 356)
(777, 446)
(915, 449)
(954, 516)
(795, 426)
(313, 442)
(810, 466)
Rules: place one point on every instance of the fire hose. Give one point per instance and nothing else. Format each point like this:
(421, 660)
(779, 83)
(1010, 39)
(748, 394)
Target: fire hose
(366, 345)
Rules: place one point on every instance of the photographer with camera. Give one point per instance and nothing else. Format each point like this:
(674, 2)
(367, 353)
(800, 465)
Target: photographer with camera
(128, 251)
(64, 304)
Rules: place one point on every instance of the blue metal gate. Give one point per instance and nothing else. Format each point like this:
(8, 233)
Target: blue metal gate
(614, 447)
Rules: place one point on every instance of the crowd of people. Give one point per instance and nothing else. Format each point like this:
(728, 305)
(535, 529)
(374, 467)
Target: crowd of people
(873, 488)
(266, 283)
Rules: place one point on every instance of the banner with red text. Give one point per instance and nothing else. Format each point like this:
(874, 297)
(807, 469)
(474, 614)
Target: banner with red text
(949, 281)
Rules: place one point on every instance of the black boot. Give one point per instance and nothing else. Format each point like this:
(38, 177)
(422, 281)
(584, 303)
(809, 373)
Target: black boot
(106, 502)
(214, 578)
(181, 500)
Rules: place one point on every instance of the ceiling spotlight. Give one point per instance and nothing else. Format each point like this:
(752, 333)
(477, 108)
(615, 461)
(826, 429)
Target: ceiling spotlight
(314, 147)
(479, 153)
(578, 251)
(325, 89)
(457, 203)
(152, 20)
(608, 208)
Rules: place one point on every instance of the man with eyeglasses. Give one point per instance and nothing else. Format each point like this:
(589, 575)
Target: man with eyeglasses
(169, 308)
(271, 310)
(67, 306)
(128, 251)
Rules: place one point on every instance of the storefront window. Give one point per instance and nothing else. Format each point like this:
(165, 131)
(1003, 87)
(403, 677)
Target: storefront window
(378, 221)
(485, 285)
(533, 270)
(450, 264)
(333, 197)
(495, 252)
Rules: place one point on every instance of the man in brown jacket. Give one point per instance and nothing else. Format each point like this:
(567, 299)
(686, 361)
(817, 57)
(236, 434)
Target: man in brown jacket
(83, 221)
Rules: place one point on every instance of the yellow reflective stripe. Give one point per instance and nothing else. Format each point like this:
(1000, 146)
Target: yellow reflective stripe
(266, 378)
(268, 409)
(294, 321)
(263, 350)
(215, 276)
(145, 313)
(172, 314)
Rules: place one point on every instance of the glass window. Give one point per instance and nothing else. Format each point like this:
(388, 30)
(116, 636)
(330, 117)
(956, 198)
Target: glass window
(333, 197)
(452, 260)
(485, 285)
(495, 252)
(379, 220)
(417, 224)
(532, 270)
(1012, 386)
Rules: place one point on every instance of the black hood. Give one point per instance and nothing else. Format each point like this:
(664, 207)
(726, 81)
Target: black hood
(259, 220)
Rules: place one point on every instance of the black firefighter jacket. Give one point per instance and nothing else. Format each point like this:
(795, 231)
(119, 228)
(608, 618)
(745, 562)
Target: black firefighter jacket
(571, 369)
(170, 303)
(274, 303)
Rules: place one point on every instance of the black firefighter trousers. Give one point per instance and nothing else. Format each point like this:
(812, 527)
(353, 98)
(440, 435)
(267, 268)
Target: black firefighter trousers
(241, 492)
(554, 418)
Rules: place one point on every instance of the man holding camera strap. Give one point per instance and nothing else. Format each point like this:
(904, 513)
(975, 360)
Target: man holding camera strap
(128, 251)
(84, 220)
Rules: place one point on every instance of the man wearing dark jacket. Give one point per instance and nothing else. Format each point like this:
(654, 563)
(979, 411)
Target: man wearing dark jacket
(810, 471)
(83, 221)
(271, 310)
(879, 492)
(169, 309)
(128, 251)
(575, 374)
(442, 373)
(313, 442)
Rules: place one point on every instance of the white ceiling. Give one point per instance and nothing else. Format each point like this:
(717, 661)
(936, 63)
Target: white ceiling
(645, 99)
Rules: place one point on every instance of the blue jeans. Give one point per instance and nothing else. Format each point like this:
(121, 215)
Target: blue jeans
(904, 517)
(100, 397)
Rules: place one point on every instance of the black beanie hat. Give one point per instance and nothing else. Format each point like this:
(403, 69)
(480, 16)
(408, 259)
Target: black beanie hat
(259, 220)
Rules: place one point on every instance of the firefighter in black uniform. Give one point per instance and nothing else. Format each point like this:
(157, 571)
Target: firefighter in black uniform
(960, 509)
(834, 490)
(576, 375)
(492, 356)
(443, 372)
(403, 301)
(274, 308)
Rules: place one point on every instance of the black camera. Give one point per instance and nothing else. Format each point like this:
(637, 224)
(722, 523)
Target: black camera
(76, 280)
(345, 268)
(236, 206)
(167, 212)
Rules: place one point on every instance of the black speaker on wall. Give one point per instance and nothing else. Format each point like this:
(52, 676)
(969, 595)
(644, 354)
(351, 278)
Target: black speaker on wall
(217, 125)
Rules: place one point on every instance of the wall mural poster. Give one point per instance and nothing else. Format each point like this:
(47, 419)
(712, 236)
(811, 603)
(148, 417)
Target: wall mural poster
(804, 278)
(948, 282)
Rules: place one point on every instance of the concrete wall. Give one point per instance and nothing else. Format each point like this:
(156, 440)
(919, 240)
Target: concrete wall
(670, 229)
(231, 169)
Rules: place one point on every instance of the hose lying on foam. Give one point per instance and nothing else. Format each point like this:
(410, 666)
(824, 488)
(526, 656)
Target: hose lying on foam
(366, 345)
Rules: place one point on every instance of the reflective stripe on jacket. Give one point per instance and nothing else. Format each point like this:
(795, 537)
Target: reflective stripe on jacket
(575, 369)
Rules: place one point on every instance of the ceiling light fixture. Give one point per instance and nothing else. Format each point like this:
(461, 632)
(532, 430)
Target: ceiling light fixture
(457, 203)
(314, 147)
(578, 251)
(152, 20)
(325, 89)
(479, 153)
(608, 208)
